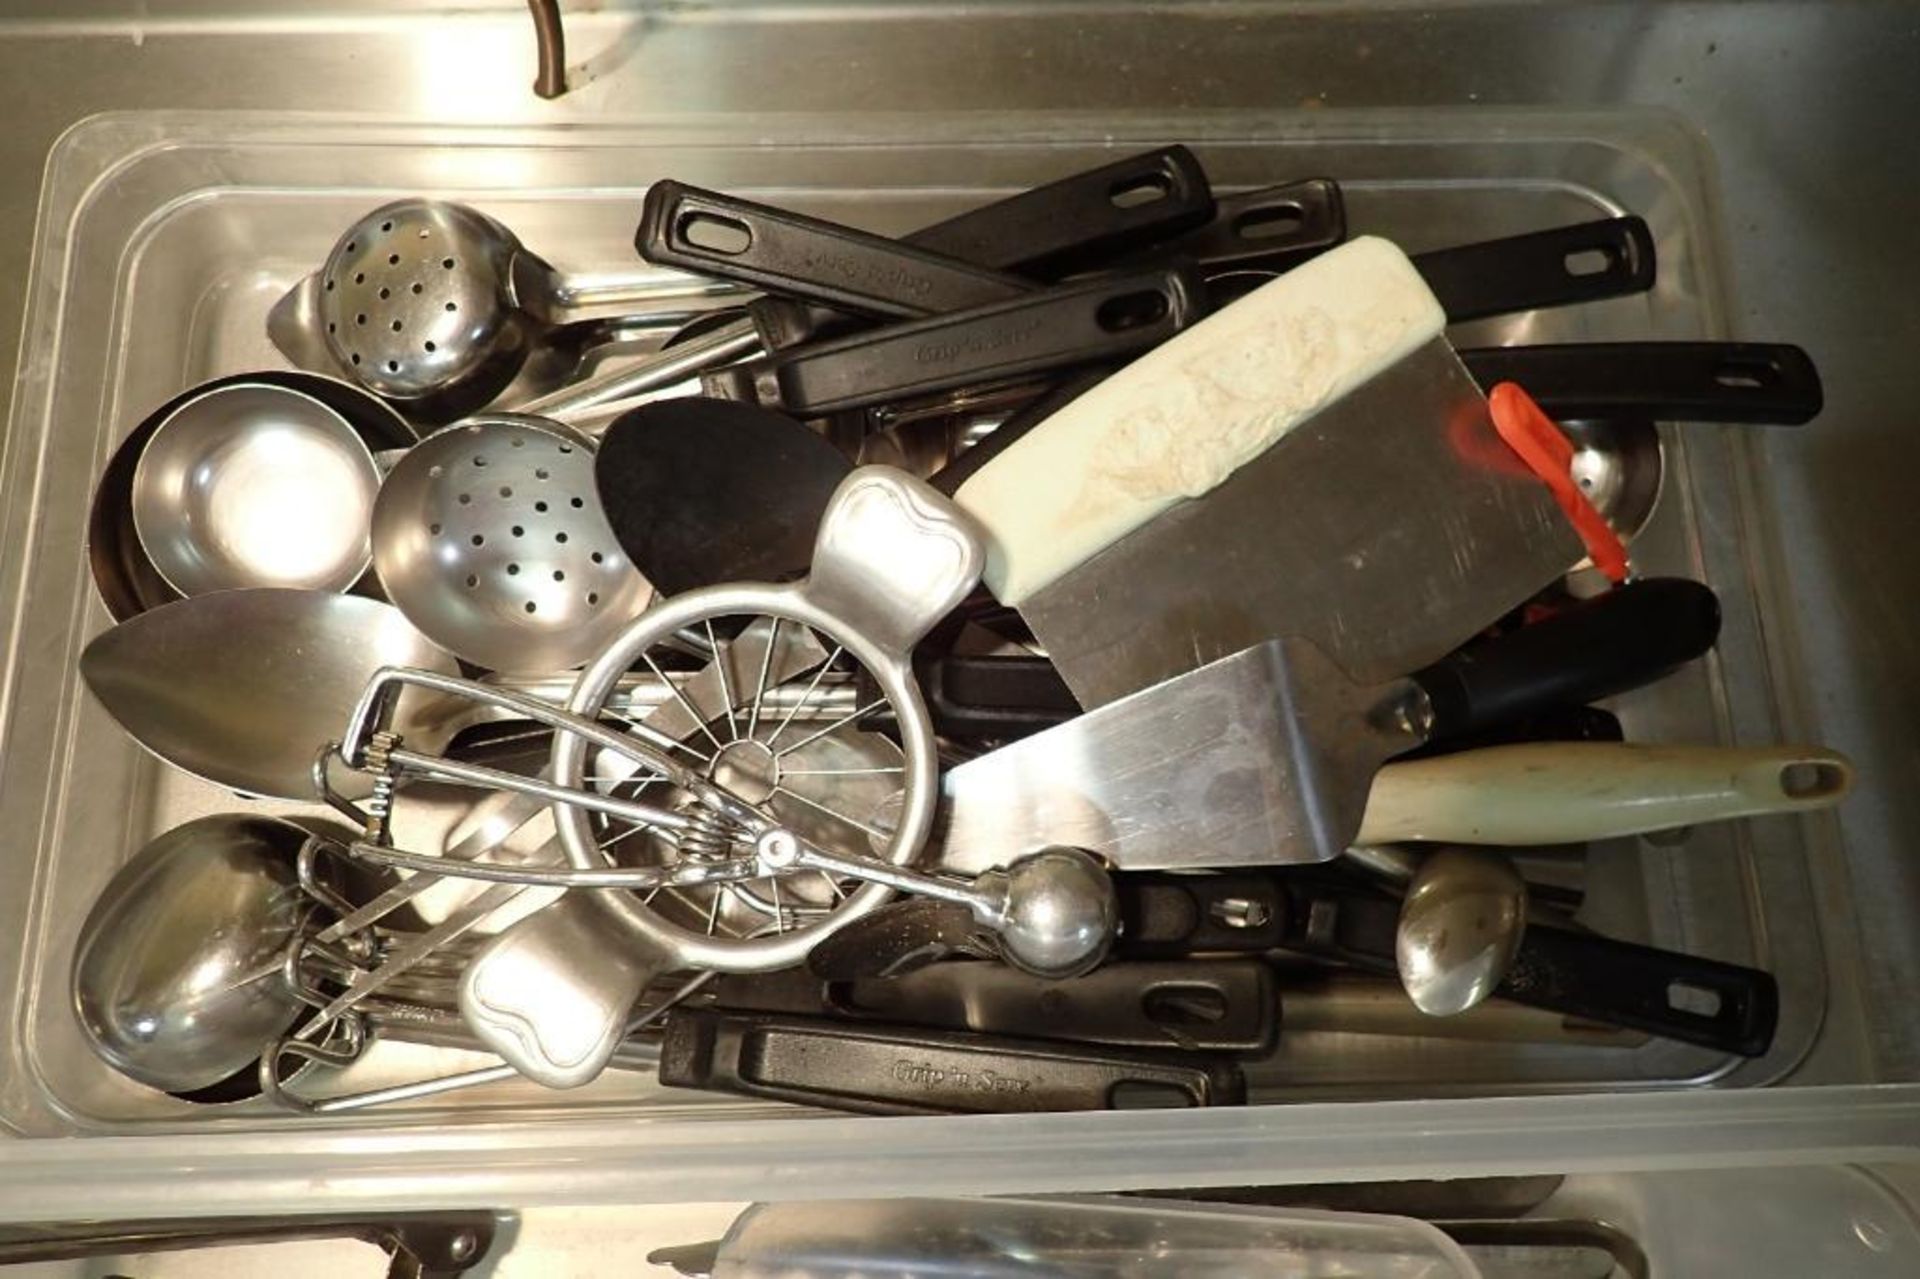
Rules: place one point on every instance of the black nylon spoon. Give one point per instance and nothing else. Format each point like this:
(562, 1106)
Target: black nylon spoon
(700, 491)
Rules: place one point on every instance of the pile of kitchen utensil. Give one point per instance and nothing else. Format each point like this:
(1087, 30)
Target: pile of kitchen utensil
(1004, 667)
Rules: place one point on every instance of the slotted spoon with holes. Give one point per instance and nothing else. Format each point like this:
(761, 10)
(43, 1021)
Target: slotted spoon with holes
(436, 306)
(488, 535)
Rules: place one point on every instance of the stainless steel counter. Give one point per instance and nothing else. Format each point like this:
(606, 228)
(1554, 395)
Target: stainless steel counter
(1806, 106)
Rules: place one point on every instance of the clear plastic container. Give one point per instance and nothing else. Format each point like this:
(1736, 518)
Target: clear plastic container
(163, 240)
(1091, 1238)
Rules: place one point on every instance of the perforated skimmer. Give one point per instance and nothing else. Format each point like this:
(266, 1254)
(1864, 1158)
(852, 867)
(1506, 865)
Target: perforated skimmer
(437, 306)
(489, 536)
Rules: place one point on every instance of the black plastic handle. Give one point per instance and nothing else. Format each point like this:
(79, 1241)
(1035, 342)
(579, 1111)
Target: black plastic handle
(1714, 1005)
(821, 261)
(1044, 233)
(1697, 1001)
(1266, 231)
(1001, 697)
(1167, 916)
(1226, 1006)
(1101, 320)
(1205, 1005)
(1080, 220)
(1588, 650)
(1581, 263)
(1755, 383)
(895, 1070)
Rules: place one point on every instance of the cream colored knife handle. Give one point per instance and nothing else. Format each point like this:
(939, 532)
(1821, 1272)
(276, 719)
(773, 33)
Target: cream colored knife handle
(1567, 792)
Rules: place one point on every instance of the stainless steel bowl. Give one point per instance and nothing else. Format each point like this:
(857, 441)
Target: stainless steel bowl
(252, 484)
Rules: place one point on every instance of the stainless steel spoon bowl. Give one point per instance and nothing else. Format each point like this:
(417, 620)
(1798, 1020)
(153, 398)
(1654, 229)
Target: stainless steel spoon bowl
(252, 484)
(489, 535)
(1460, 926)
(176, 968)
(243, 688)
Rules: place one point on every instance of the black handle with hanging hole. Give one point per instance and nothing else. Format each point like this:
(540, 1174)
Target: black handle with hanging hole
(885, 1069)
(806, 257)
(1755, 383)
(1704, 1002)
(1585, 262)
(1082, 220)
(1265, 232)
(1061, 327)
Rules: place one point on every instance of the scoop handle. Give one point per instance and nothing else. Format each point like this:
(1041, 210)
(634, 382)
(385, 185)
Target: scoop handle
(1571, 792)
(1588, 650)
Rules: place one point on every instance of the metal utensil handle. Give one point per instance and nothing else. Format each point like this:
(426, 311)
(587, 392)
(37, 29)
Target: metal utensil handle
(666, 368)
(1757, 383)
(810, 258)
(1581, 263)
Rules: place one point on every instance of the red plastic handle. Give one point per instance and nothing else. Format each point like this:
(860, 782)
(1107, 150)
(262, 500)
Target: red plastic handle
(1540, 443)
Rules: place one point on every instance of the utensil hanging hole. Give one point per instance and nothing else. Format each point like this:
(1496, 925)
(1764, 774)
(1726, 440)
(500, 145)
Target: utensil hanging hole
(1131, 311)
(1140, 192)
(1177, 1005)
(1685, 997)
(1747, 375)
(1583, 262)
(1241, 912)
(478, 539)
(1812, 779)
(1275, 223)
(714, 233)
